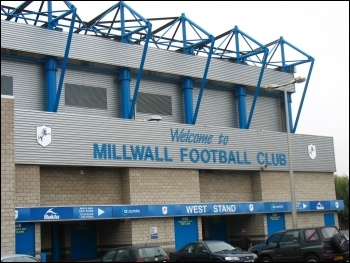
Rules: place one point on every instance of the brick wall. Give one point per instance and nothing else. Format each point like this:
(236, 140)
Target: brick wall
(225, 186)
(69, 186)
(161, 186)
(7, 177)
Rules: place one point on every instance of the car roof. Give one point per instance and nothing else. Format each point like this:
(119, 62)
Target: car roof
(15, 255)
(136, 246)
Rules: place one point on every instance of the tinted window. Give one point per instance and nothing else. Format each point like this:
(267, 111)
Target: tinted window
(109, 256)
(274, 239)
(311, 234)
(290, 238)
(329, 232)
(189, 248)
(122, 255)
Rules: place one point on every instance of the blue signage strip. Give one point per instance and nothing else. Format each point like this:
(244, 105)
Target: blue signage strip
(93, 212)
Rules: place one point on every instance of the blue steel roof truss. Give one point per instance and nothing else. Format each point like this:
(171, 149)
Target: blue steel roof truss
(179, 34)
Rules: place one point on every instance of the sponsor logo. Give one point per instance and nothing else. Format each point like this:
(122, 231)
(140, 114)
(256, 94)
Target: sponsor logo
(319, 206)
(164, 210)
(127, 212)
(312, 151)
(51, 215)
(43, 135)
(274, 207)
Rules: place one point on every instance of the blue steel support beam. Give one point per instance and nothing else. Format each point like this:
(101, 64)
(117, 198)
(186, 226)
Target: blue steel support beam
(139, 74)
(242, 111)
(257, 89)
(72, 11)
(203, 80)
(303, 96)
(187, 87)
(50, 75)
(125, 78)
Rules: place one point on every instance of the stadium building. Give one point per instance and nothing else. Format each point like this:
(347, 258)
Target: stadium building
(126, 130)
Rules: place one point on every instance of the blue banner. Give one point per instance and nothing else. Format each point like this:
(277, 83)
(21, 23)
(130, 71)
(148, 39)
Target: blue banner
(93, 212)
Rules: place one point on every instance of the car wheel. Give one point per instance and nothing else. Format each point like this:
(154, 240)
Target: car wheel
(312, 258)
(265, 259)
(340, 243)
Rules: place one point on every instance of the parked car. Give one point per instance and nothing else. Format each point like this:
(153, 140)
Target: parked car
(18, 258)
(135, 254)
(211, 251)
(269, 242)
(312, 244)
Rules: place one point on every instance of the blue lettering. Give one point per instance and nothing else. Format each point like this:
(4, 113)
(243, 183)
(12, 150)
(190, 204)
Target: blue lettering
(194, 160)
(207, 153)
(283, 159)
(222, 156)
(137, 152)
(246, 161)
(100, 154)
(114, 150)
(167, 158)
(149, 153)
(214, 155)
(125, 157)
(259, 155)
(231, 157)
(183, 153)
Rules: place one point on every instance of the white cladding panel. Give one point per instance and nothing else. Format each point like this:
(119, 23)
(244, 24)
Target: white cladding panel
(28, 83)
(73, 138)
(266, 114)
(218, 107)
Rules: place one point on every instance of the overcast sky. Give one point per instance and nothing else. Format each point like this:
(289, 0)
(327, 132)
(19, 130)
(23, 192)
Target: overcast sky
(318, 28)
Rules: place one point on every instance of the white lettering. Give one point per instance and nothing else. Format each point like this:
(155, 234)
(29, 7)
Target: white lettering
(196, 209)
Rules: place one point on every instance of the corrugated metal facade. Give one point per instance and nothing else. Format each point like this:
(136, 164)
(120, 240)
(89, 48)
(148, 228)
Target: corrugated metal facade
(83, 131)
(83, 48)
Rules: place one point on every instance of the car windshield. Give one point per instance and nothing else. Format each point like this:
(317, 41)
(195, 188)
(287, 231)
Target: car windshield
(220, 246)
(274, 239)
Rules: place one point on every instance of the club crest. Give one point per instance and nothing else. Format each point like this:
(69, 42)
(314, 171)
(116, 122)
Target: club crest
(164, 210)
(312, 151)
(43, 135)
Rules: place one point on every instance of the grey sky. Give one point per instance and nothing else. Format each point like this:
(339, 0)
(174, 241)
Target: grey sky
(320, 29)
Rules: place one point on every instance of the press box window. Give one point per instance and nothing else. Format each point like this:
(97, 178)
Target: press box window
(6, 85)
(84, 96)
(154, 103)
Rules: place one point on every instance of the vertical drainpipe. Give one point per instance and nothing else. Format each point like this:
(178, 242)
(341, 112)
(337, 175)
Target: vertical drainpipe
(290, 117)
(187, 87)
(124, 78)
(50, 69)
(242, 113)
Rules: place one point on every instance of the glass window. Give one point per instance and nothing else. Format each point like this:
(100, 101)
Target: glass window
(274, 239)
(290, 238)
(311, 234)
(328, 232)
(109, 256)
